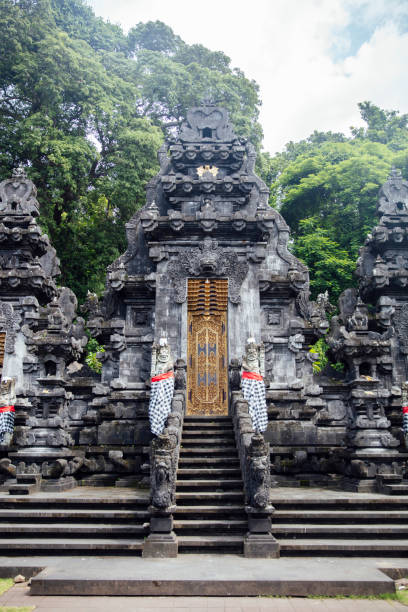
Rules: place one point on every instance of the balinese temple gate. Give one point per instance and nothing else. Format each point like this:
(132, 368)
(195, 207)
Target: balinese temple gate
(207, 392)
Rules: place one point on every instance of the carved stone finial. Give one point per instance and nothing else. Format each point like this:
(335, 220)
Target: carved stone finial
(207, 99)
(18, 194)
(395, 174)
(19, 172)
(393, 195)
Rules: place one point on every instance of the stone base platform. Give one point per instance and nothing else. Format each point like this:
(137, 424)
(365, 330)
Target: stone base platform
(208, 575)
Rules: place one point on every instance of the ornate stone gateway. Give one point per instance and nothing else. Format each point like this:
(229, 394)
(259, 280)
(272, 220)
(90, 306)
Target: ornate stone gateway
(207, 363)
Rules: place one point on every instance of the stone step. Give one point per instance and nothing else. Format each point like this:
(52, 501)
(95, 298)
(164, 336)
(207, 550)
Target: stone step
(207, 509)
(343, 547)
(396, 489)
(389, 478)
(214, 496)
(22, 489)
(357, 516)
(56, 545)
(201, 484)
(208, 427)
(207, 419)
(28, 478)
(210, 525)
(210, 543)
(207, 442)
(209, 451)
(290, 529)
(42, 500)
(229, 460)
(195, 432)
(360, 501)
(219, 576)
(91, 514)
(208, 472)
(68, 529)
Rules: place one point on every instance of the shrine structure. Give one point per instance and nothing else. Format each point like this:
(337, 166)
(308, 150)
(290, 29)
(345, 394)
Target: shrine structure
(207, 268)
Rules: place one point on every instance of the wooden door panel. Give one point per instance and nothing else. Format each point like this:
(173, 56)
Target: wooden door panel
(207, 363)
(2, 350)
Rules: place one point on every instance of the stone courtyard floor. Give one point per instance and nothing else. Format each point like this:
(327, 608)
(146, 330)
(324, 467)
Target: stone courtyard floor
(19, 596)
(295, 494)
(71, 569)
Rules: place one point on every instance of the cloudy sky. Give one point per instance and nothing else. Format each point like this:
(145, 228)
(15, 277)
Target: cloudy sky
(313, 59)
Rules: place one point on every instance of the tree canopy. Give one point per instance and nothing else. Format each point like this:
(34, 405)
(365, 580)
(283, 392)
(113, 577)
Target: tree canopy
(86, 107)
(326, 189)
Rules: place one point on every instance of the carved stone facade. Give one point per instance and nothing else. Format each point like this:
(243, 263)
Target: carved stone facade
(206, 217)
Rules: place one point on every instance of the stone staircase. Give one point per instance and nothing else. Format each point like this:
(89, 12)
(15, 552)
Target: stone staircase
(392, 484)
(210, 515)
(46, 524)
(377, 525)
(25, 484)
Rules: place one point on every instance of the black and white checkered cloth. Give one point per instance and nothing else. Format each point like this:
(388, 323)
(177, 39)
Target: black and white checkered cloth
(405, 419)
(254, 392)
(161, 394)
(6, 422)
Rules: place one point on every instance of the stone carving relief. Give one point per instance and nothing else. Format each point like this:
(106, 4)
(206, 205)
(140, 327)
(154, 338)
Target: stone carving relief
(385, 310)
(258, 479)
(295, 342)
(163, 472)
(393, 196)
(162, 361)
(208, 260)
(208, 121)
(18, 195)
(254, 358)
(9, 323)
(359, 319)
(401, 328)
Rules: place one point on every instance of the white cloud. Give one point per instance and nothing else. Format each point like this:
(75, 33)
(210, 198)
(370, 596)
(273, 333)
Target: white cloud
(285, 46)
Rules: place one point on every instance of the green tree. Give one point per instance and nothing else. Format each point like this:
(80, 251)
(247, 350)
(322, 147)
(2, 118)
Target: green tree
(326, 188)
(331, 267)
(86, 107)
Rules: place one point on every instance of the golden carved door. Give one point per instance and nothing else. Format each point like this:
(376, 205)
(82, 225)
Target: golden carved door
(207, 360)
(2, 349)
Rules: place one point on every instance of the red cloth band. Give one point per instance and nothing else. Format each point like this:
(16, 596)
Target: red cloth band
(7, 409)
(251, 375)
(405, 409)
(162, 376)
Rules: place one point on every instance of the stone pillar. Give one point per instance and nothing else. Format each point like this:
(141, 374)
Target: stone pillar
(162, 541)
(259, 541)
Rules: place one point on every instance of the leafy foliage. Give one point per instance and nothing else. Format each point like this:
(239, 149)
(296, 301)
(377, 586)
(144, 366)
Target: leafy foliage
(326, 188)
(321, 348)
(92, 349)
(86, 107)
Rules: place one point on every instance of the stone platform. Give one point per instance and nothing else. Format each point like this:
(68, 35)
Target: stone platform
(114, 521)
(324, 537)
(208, 575)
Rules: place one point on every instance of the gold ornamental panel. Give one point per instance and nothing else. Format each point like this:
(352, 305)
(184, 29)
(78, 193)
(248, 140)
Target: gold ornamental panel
(2, 350)
(207, 363)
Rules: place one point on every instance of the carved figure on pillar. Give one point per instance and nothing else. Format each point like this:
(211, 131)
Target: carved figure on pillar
(7, 400)
(253, 385)
(162, 386)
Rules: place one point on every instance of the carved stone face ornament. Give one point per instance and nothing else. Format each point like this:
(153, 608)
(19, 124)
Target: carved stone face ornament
(386, 309)
(208, 259)
(164, 354)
